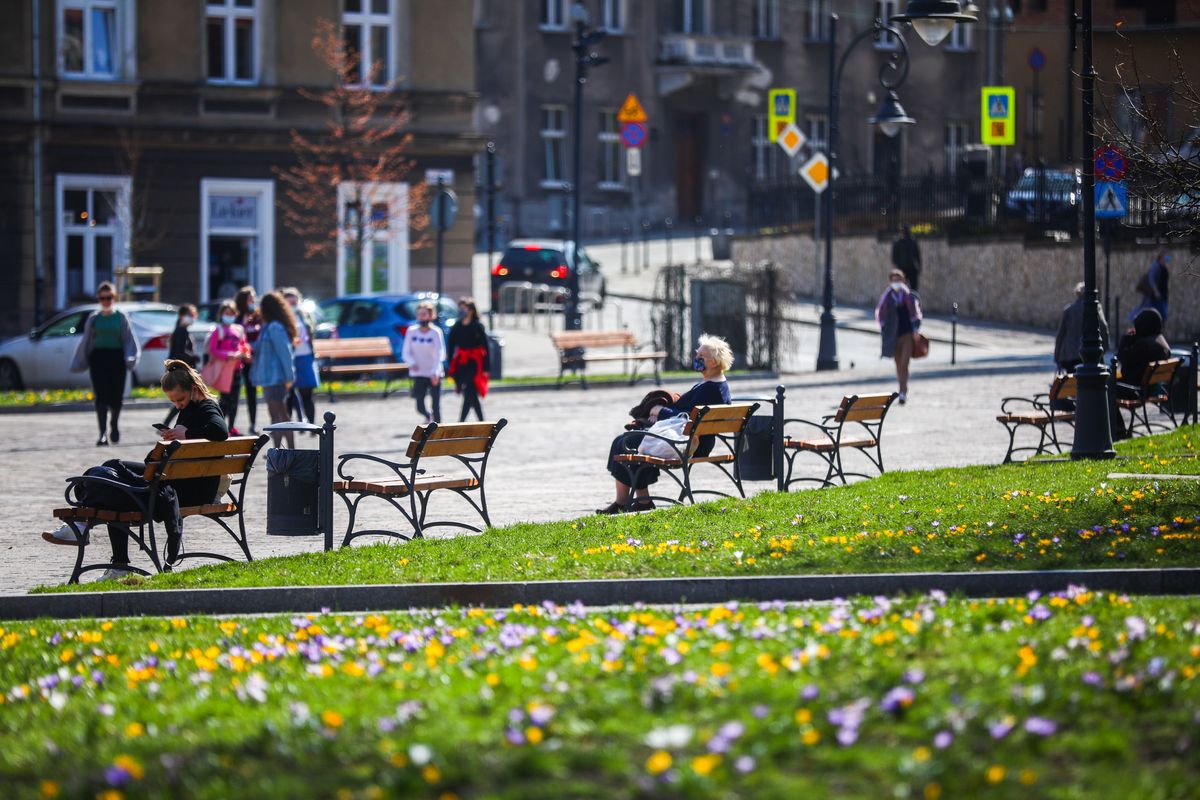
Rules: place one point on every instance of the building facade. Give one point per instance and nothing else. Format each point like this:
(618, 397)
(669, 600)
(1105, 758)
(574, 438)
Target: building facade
(702, 69)
(150, 133)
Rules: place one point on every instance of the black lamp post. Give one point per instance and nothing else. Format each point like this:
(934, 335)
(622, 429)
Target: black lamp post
(585, 59)
(889, 118)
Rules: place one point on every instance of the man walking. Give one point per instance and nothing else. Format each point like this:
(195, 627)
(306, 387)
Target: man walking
(906, 257)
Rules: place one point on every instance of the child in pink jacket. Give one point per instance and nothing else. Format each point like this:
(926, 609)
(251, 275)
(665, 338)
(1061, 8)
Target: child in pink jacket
(228, 347)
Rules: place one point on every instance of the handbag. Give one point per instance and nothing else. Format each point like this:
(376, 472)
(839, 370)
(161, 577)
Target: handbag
(671, 431)
(218, 373)
(920, 345)
(1143, 285)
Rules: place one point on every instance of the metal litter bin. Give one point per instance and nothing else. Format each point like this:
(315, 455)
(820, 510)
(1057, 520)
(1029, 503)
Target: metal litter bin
(760, 457)
(292, 481)
(722, 243)
(300, 483)
(496, 355)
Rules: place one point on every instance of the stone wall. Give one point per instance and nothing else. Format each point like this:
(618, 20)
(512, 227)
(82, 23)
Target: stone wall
(1003, 280)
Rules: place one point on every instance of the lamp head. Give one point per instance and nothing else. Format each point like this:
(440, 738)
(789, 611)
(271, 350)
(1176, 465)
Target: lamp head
(933, 19)
(891, 116)
(579, 13)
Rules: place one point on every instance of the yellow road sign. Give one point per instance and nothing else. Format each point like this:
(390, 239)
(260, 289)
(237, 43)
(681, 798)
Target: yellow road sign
(631, 110)
(998, 120)
(781, 111)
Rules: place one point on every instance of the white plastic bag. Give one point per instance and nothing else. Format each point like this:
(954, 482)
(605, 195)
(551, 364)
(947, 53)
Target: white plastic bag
(670, 429)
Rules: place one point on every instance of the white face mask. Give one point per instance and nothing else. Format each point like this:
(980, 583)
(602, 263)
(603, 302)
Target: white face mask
(228, 319)
(897, 286)
(186, 321)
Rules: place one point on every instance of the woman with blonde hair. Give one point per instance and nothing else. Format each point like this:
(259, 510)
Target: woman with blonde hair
(898, 314)
(713, 358)
(199, 418)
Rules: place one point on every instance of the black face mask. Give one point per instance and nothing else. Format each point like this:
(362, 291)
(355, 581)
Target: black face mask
(424, 323)
(698, 364)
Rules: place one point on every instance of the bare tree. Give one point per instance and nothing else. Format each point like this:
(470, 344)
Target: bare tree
(338, 192)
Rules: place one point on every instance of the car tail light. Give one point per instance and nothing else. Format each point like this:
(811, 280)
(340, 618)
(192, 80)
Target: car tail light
(401, 329)
(499, 270)
(559, 272)
(535, 248)
(158, 342)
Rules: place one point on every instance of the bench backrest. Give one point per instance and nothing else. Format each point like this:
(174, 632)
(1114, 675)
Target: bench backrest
(365, 347)
(566, 340)
(1063, 388)
(864, 408)
(462, 439)
(200, 458)
(719, 420)
(1160, 372)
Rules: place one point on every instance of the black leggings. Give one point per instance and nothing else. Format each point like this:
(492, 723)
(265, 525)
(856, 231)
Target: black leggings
(470, 396)
(300, 402)
(229, 400)
(166, 507)
(106, 368)
(251, 396)
(423, 386)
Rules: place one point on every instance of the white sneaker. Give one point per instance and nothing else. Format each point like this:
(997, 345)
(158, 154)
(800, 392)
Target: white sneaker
(68, 534)
(114, 574)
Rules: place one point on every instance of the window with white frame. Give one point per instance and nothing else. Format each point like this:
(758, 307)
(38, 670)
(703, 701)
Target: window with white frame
(766, 19)
(554, 134)
(372, 238)
(818, 131)
(612, 15)
(769, 158)
(611, 170)
(885, 10)
(368, 31)
(957, 137)
(818, 20)
(693, 16)
(232, 34)
(90, 38)
(92, 227)
(959, 39)
(554, 15)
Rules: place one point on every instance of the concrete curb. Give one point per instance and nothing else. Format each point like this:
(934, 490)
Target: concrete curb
(302, 599)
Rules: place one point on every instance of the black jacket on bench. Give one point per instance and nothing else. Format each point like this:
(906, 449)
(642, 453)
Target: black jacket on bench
(203, 420)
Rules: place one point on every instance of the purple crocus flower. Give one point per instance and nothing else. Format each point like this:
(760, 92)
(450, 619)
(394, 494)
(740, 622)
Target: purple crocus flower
(1000, 729)
(116, 776)
(942, 739)
(1040, 726)
(897, 699)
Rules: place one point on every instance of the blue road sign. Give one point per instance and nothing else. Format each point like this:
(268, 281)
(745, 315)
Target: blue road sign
(1037, 59)
(1112, 199)
(633, 134)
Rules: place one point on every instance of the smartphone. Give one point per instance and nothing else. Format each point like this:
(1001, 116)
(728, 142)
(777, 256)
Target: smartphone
(161, 427)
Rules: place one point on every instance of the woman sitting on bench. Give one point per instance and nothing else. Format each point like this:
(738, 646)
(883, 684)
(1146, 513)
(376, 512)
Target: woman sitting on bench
(199, 418)
(713, 357)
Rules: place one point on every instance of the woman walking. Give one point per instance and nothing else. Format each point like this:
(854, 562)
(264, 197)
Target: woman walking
(273, 367)
(469, 358)
(228, 351)
(107, 351)
(899, 316)
(251, 321)
(182, 348)
(307, 379)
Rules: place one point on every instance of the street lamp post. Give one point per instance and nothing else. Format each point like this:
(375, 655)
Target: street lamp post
(585, 59)
(1093, 436)
(889, 118)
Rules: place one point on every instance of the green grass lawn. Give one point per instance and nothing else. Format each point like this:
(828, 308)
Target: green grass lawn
(1076, 695)
(1038, 516)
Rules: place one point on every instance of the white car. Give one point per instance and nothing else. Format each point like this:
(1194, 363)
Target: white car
(41, 359)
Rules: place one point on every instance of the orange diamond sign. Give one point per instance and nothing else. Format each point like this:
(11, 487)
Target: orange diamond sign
(791, 139)
(816, 173)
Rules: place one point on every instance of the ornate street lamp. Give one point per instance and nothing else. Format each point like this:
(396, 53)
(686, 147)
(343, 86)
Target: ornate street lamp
(933, 19)
(890, 116)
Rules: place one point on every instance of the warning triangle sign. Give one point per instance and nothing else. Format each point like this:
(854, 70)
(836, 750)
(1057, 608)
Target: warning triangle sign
(1109, 202)
(631, 110)
(998, 107)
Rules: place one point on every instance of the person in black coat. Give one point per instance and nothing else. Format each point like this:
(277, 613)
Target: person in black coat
(906, 257)
(199, 418)
(182, 347)
(713, 358)
(470, 360)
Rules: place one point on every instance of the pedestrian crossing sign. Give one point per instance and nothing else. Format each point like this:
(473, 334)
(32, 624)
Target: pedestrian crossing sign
(1112, 199)
(781, 111)
(998, 123)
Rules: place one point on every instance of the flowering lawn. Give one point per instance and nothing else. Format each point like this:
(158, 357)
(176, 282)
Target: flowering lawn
(1068, 695)
(1037, 516)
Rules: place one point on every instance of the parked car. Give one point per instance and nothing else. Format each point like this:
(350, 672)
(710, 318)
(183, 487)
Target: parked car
(325, 329)
(546, 262)
(41, 359)
(1062, 197)
(390, 315)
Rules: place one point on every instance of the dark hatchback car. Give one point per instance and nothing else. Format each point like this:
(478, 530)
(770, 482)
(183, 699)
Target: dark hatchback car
(1061, 193)
(545, 262)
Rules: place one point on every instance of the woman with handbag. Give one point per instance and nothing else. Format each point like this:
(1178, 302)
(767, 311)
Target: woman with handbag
(713, 358)
(227, 352)
(108, 350)
(899, 316)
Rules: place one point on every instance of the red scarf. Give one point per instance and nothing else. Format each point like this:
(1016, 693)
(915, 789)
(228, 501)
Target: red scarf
(475, 355)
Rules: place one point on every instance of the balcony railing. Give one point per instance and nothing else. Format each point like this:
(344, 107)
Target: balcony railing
(697, 50)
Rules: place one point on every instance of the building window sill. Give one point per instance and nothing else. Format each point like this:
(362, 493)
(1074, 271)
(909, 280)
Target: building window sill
(560, 186)
(612, 187)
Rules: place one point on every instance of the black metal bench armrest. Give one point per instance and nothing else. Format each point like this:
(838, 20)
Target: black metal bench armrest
(139, 495)
(828, 430)
(1038, 401)
(395, 466)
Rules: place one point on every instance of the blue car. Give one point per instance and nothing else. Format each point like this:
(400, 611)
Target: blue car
(363, 315)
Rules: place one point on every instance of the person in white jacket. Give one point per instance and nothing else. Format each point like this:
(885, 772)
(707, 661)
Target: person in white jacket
(425, 353)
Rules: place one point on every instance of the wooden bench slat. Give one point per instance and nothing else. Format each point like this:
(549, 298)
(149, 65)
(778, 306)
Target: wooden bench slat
(399, 488)
(459, 430)
(449, 447)
(825, 445)
(640, 458)
(351, 369)
(618, 357)
(707, 427)
(204, 468)
(203, 448)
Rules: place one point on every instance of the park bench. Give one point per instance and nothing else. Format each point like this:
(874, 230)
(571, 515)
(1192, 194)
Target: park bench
(332, 355)
(573, 355)
(177, 460)
(1152, 390)
(464, 447)
(726, 422)
(1039, 413)
(857, 425)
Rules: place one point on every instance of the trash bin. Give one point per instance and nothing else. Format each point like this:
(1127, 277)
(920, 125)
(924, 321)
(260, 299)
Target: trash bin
(292, 492)
(756, 460)
(722, 244)
(496, 355)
